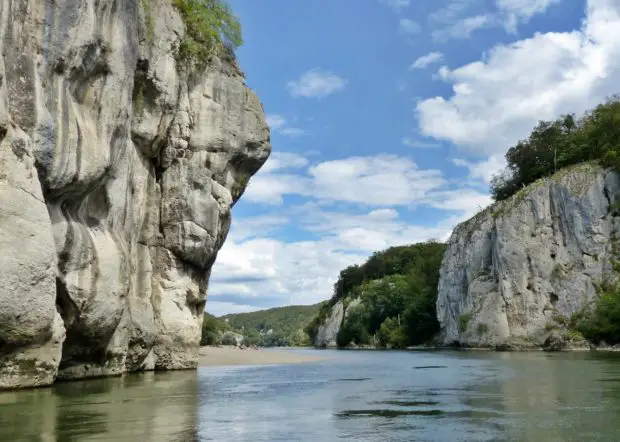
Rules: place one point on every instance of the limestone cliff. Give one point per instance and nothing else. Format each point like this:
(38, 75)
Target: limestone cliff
(327, 331)
(523, 266)
(118, 170)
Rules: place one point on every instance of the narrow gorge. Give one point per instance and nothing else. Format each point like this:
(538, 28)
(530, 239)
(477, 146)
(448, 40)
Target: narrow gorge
(119, 165)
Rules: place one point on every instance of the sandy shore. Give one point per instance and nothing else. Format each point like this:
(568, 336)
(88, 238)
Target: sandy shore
(217, 356)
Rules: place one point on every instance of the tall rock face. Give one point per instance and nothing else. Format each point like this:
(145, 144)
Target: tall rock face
(525, 265)
(327, 333)
(118, 170)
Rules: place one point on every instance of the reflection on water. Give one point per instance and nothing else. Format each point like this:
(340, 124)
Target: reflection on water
(149, 406)
(367, 396)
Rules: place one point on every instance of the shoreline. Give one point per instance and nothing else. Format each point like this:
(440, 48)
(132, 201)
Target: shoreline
(211, 356)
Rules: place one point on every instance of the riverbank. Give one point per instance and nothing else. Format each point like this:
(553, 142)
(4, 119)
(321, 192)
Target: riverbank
(230, 355)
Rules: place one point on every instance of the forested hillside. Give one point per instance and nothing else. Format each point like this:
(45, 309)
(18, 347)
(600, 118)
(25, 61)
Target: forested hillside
(389, 300)
(281, 326)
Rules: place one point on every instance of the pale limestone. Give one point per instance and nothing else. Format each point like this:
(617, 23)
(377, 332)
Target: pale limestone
(525, 265)
(117, 175)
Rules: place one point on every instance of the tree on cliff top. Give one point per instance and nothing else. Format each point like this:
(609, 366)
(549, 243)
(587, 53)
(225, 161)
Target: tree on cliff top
(210, 29)
(560, 143)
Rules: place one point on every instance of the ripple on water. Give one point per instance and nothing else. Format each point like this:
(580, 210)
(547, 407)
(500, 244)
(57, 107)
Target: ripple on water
(353, 379)
(394, 413)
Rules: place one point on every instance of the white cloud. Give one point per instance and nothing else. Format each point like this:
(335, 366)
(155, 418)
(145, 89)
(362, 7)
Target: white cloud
(418, 144)
(283, 160)
(316, 83)
(277, 123)
(515, 11)
(396, 5)
(483, 170)
(409, 26)
(464, 27)
(381, 180)
(496, 101)
(264, 272)
(460, 18)
(426, 60)
(219, 308)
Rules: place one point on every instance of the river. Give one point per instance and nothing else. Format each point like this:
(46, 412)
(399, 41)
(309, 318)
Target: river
(354, 395)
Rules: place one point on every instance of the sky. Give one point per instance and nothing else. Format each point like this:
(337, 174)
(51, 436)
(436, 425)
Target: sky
(388, 119)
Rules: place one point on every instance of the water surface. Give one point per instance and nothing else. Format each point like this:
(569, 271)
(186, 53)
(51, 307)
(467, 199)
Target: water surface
(355, 395)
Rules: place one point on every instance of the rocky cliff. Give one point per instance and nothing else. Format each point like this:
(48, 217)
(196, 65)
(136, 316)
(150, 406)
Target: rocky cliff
(118, 170)
(523, 266)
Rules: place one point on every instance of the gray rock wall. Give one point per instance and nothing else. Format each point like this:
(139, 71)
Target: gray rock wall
(118, 170)
(525, 265)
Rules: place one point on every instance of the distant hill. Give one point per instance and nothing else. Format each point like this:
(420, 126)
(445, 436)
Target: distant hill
(280, 326)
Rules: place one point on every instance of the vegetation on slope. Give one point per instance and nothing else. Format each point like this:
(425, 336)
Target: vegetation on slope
(281, 326)
(600, 323)
(553, 145)
(397, 289)
(211, 29)
(213, 329)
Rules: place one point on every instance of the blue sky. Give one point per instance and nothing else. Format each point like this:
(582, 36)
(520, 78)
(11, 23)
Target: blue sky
(388, 118)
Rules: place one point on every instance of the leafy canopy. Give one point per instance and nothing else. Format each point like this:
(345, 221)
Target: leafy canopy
(553, 145)
(398, 291)
(210, 28)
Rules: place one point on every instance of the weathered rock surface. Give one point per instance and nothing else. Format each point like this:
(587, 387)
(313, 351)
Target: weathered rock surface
(327, 333)
(118, 170)
(525, 265)
(560, 340)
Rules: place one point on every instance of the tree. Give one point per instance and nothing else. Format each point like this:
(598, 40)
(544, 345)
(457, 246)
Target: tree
(556, 144)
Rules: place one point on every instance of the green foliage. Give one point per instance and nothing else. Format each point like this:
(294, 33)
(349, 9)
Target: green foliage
(553, 145)
(602, 322)
(241, 182)
(210, 28)
(400, 282)
(354, 329)
(212, 330)
(281, 326)
(391, 334)
(464, 321)
(482, 328)
(560, 319)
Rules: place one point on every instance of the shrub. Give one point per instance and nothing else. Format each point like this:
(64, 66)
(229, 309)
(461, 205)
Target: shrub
(464, 321)
(354, 328)
(210, 28)
(482, 328)
(602, 322)
(391, 334)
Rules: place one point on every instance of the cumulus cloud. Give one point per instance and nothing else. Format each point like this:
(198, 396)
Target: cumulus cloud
(515, 11)
(381, 180)
(316, 83)
(426, 60)
(264, 272)
(460, 18)
(409, 26)
(464, 27)
(483, 170)
(279, 124)
(497, 100)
